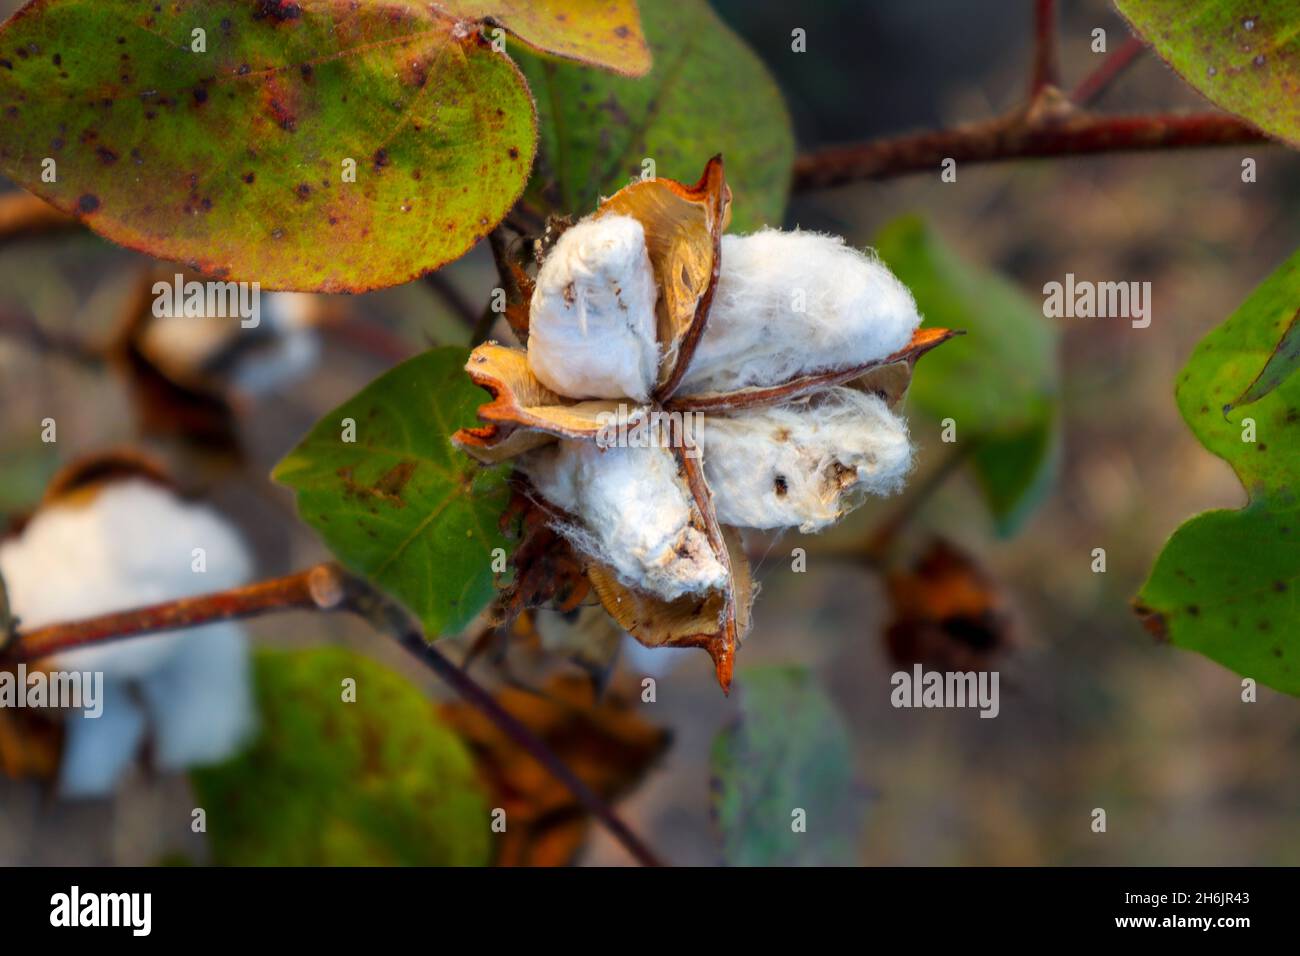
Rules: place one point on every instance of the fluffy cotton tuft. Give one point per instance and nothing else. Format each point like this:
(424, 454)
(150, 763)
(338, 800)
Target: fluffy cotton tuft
(281, 349)
(636, 515)
(804, 465)
(791, 303)
(592, 327)
(130, 545)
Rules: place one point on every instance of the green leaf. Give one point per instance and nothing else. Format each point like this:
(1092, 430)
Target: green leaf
(378, 781)
(1225, 584)
(399, 503)
(999, 383)
(604, 33)
(789, 750)
(1281, 365)
(233, 160)
(707, 93)
(1242, 55)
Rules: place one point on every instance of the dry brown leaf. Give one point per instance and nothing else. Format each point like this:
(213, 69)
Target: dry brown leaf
(683, 231)
(524, 414)
(605, 742)
(889, 378)
(948, 612)
(688, 621)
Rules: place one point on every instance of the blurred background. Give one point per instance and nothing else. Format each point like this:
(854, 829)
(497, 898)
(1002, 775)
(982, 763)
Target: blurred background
(1094, 712)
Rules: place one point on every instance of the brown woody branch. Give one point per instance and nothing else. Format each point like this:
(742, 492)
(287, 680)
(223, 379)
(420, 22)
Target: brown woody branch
(324, 587)
(1018, 137)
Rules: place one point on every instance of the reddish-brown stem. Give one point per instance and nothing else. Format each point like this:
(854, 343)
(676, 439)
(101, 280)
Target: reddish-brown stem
(324, 587)
(1115, 63)
(1044, 73)
(1013, 138)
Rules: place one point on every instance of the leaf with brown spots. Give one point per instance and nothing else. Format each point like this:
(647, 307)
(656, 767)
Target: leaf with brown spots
(1242, 55)
(604, 33)
(1226, 582)
(399, 503)
(707, 93)
(235, 160)
(605, 742)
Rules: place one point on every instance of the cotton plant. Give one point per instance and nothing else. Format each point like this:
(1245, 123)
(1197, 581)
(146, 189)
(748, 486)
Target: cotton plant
(110, 535)
(791, 348)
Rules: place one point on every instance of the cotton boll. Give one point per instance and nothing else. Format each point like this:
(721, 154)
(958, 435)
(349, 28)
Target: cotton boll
(592, 328)
(282, 348)
(792, 303)
(635, 514)
(131, 544)
(200, 699)
(804, 465)
(96, 750)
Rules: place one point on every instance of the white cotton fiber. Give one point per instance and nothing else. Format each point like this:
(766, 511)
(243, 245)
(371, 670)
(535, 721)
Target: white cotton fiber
(791, 303)
(804, 465)
(282, 348)
(133, 544)
(635, 512)
(591, 331)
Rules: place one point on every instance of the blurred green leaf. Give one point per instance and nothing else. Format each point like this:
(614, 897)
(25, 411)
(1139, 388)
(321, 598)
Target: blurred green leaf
(707, 93)
(1242, 55)
(328, 783)
(789, 750)
(233, 158)
(1225, 584)
(400, 504)
(999, 383)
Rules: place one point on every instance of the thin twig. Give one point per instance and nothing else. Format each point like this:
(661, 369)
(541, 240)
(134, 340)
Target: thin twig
(446, 290)
(1115, 63)
(1044, 72)
(23, 328)
(1013, 138)
(499, 243)
(888, 530)
(324, 587)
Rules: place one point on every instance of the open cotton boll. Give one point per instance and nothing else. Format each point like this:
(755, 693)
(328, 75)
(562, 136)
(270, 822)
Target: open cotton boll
(804, 465)
(792, 303)
(592, 327)
(131, 544)
(635, 512)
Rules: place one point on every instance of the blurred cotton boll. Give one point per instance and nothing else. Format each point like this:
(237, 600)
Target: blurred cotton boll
(282, 348)
(591, 330)
(123, 544)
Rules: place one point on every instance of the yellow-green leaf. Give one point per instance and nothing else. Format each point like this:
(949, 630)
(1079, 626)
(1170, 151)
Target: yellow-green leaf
(328, 145)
